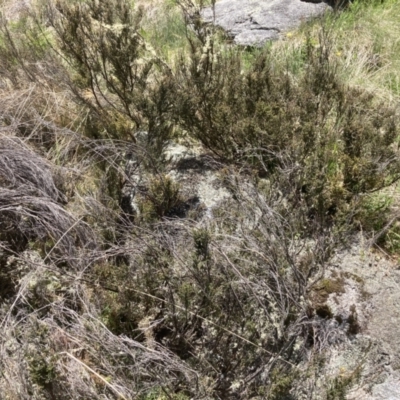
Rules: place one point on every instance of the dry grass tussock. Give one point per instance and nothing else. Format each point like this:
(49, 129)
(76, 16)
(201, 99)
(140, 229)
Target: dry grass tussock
(102, 297)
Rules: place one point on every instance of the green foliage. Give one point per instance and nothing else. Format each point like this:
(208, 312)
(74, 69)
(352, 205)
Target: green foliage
(392, 239)
(173, 307)
(42, 371)
(337, 139)
(374, 212)
(202, 240)
(161, 198)
(121, 80)
(339, 142)
(364, 45)
(376, 215)
(22, 44)
(41, 360)
(282, 384)
(165, 29)
(340, 385)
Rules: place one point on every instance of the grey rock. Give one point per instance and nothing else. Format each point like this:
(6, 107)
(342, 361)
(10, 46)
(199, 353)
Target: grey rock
(253, 22)
(377, 282)
(389, 390)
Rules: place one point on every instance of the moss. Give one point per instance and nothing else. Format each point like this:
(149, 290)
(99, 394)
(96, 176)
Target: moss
(281, 384)
(42, 370)
(325, 287)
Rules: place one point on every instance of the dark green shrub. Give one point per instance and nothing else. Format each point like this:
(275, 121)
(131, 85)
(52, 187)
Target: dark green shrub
(202, 239)
(333, 142)
(160, 199)
(42, 371)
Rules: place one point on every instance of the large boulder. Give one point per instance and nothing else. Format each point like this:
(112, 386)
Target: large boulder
(253, 22)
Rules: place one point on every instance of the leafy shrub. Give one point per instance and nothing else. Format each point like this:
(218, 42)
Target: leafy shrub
(225, 306)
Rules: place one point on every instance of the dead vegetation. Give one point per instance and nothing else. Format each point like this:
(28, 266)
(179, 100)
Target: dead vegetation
(98, 301)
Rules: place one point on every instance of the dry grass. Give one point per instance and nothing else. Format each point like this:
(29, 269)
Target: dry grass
(97, 303)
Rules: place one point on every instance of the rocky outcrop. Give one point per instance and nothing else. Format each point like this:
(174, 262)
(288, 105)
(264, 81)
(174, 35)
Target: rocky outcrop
(253, 22)
(370, 288)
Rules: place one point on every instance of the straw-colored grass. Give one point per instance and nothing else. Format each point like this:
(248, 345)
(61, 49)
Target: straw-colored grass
(98, 302)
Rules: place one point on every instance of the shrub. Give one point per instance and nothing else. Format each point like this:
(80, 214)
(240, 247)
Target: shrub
(226, 307)
(113, 71)
(336, 142)
(160, 199)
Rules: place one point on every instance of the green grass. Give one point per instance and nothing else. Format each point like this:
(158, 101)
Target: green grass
(368, 40)
(165, 29)
(364, 41)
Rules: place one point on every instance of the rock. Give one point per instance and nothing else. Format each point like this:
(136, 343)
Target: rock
(388, 390)
(195, 172)
(364, 362)
(253, 22)
(375, 295)
(197, 175)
